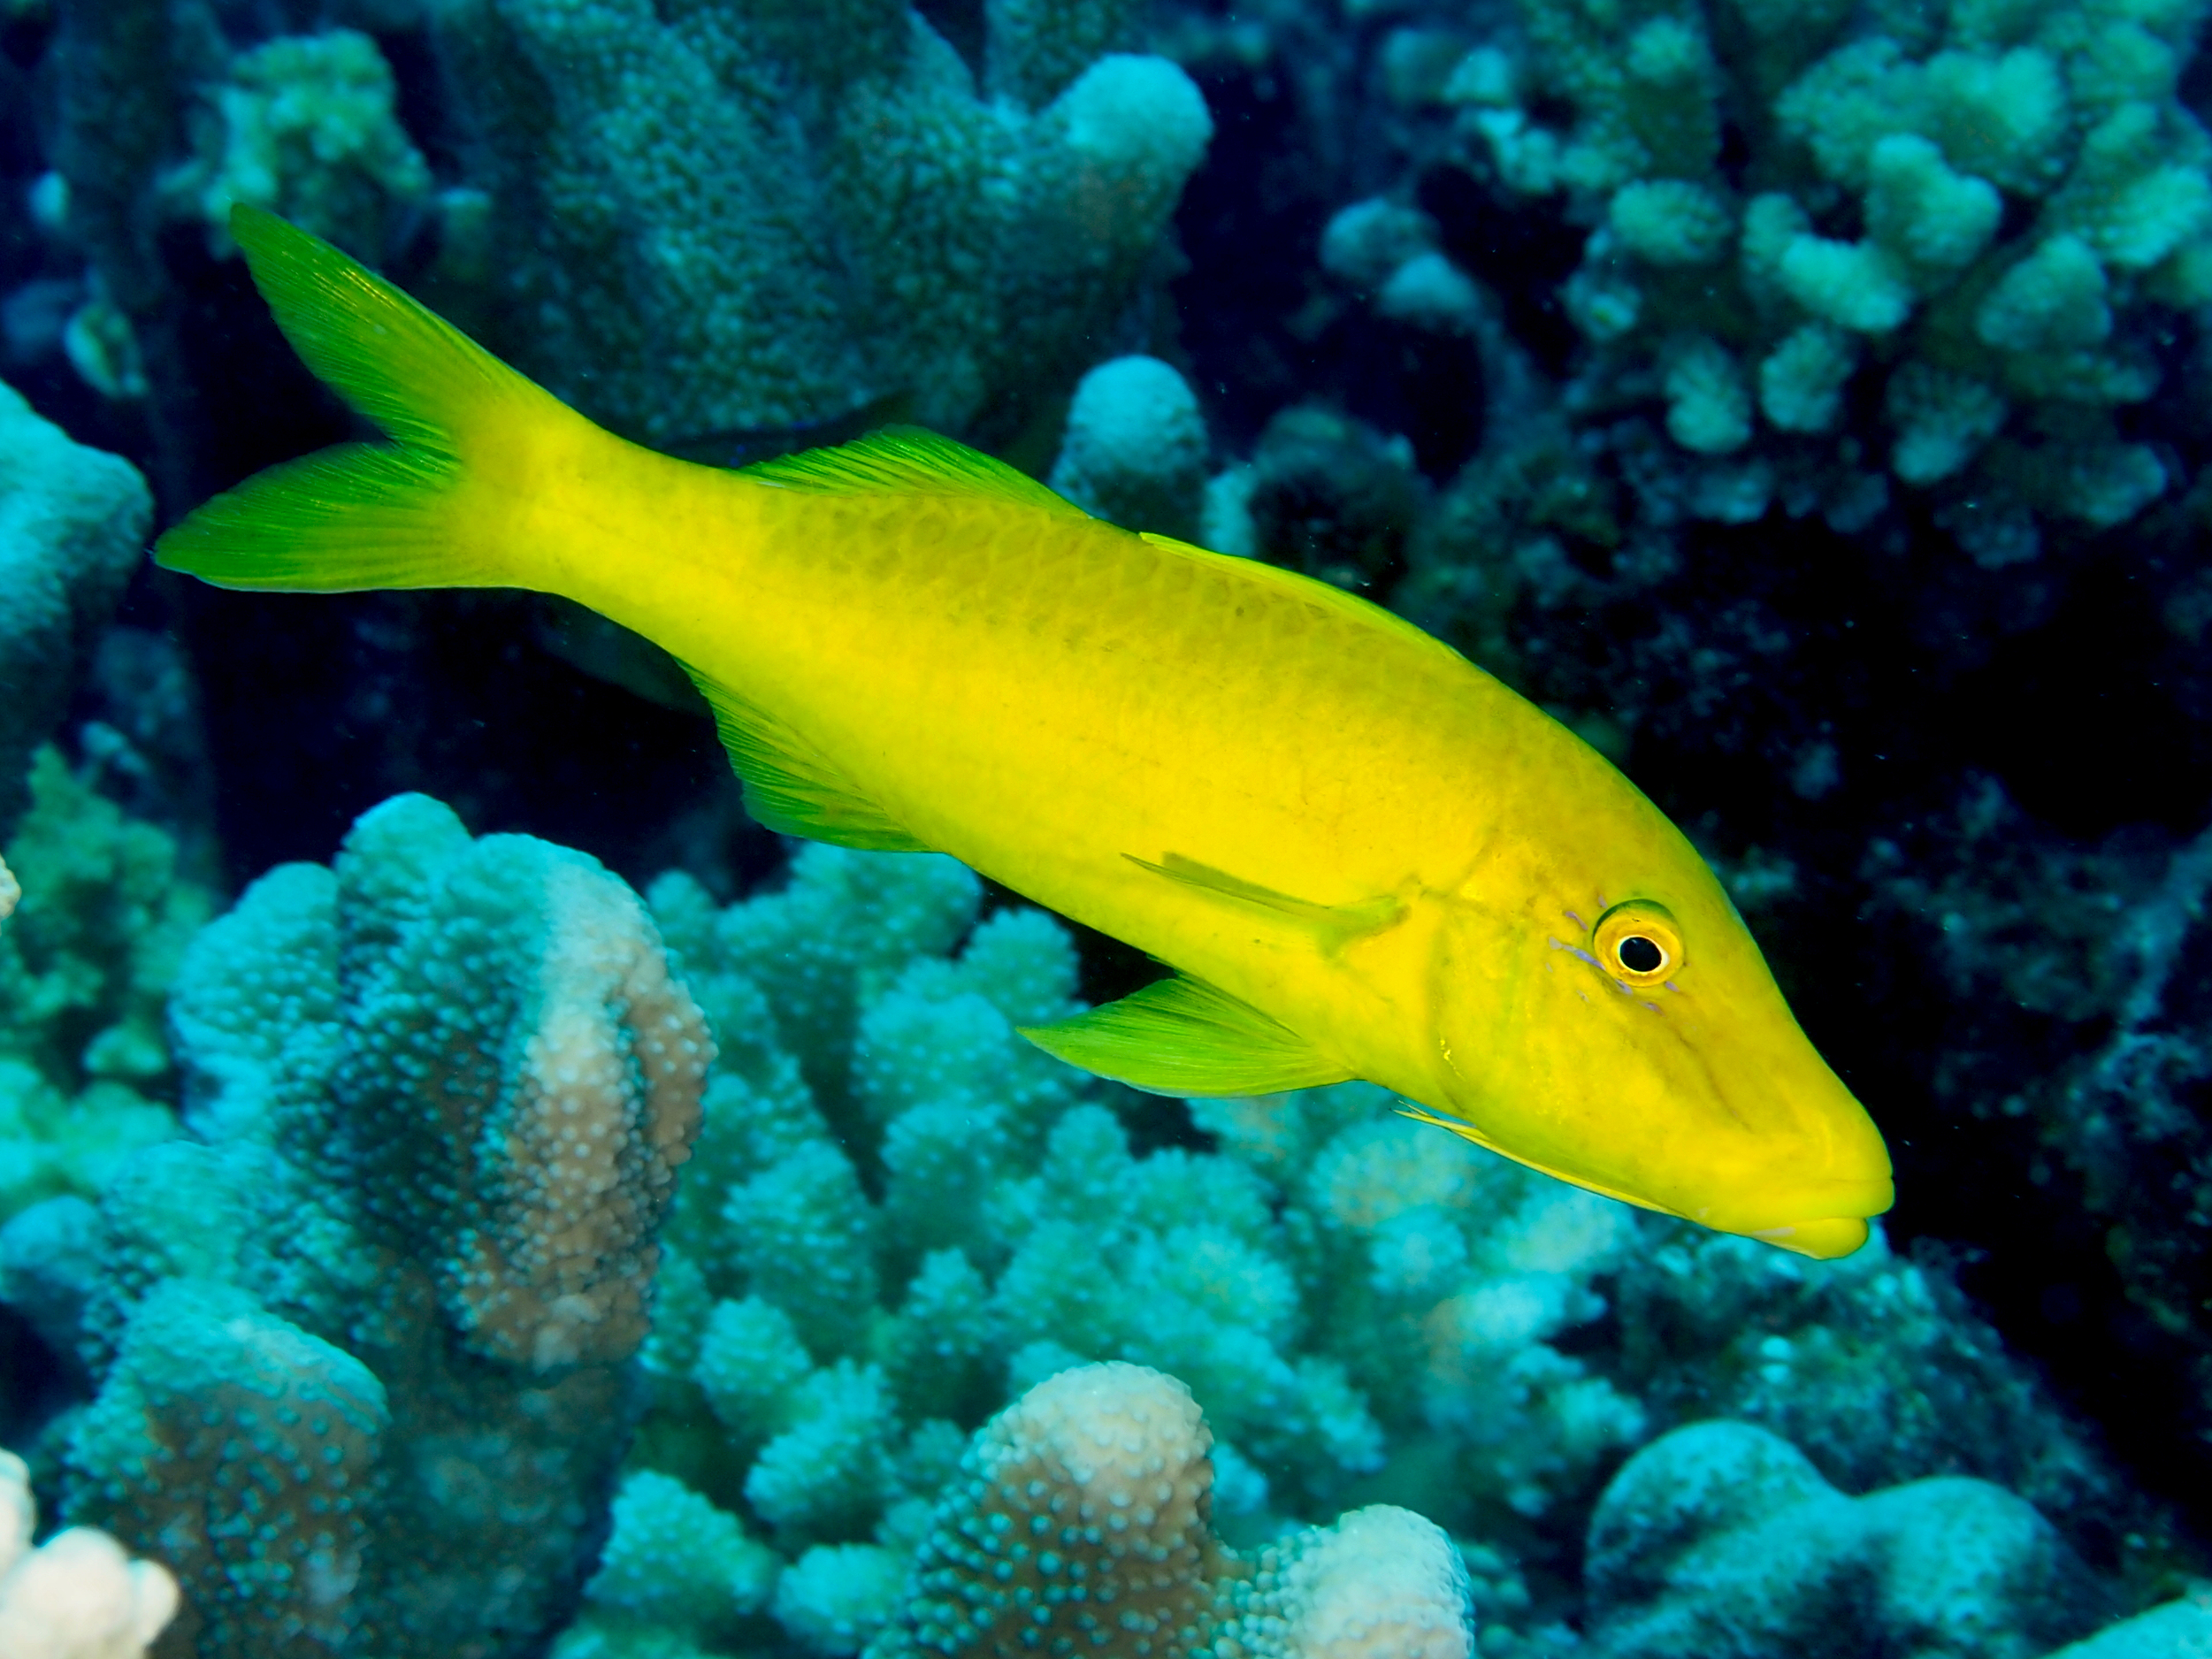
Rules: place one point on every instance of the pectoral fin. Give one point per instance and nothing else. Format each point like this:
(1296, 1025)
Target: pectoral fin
(1332, 926)
(791, 787)
(1182, 1036)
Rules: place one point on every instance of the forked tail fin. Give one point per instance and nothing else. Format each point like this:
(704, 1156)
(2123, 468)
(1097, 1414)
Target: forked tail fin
(367, 515)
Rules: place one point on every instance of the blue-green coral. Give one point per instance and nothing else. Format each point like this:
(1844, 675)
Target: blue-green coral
(1979, 209)
(1720, 1541)
(900, 1215)
(303, 126)
(360, 1345)
(72, 523)
(719, 218)
(85, 966)
(1077, 1520)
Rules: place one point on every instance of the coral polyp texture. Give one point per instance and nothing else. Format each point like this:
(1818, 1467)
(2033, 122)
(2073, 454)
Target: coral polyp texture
(361, 1343)
(1836, 245)
(1080, 1515)
(692, 256)
(1381, 1582)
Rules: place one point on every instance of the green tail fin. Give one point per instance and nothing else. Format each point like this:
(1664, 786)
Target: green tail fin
(360, 515)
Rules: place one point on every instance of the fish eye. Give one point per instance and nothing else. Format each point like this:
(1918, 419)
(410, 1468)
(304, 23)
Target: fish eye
(1637, 941)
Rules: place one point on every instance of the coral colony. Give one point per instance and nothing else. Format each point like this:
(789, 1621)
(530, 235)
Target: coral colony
(477, 1248)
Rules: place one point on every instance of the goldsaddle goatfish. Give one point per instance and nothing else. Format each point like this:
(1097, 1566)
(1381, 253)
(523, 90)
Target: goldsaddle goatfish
(1362, 856)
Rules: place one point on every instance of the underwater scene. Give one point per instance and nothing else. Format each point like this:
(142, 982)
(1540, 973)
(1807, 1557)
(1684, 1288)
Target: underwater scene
(1150, 829)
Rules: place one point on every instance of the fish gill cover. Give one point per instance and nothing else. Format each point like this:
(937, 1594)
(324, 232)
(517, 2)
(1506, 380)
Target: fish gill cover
(1805, 403)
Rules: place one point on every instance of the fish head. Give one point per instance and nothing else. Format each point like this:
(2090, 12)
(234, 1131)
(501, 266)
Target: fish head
(1612, 1022)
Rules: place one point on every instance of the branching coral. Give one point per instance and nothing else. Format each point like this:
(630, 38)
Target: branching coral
(1381, 1584)
(85, 967)
(900, 1214)
(1980, 210)
(1721, 1542)
(1016, 1232)
(1080, 1513)
(1135, 450)
(72, 523)
(728, 217)
(77, 1596)
(303, 126)
(360, 1346)
(1077, 1520)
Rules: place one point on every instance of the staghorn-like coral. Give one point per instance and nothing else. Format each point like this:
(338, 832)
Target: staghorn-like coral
(982, 1222)
(1987, 214)
(361, 1345)
(720, 217)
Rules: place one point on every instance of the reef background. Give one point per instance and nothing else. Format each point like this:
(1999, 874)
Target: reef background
(1806, 402)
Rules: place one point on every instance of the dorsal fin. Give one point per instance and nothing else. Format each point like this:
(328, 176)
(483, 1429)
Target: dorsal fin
(1326, 595)
(908, 461)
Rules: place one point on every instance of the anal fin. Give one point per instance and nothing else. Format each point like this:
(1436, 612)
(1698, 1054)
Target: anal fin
(1332, 926)
(790, 787)
(1182, 1036)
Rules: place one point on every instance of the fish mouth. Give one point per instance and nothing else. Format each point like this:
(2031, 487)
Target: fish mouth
(1834, 1217)
(1823, 1240)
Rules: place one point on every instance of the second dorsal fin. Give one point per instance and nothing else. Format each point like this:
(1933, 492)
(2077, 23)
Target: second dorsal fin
(908, 461)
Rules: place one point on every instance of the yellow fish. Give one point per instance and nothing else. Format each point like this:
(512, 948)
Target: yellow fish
(1363, 856)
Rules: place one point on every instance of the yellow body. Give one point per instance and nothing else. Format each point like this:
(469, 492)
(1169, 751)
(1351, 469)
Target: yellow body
(1280, 790)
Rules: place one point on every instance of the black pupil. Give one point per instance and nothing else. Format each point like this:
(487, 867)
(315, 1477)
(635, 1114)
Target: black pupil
(1639, 955)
